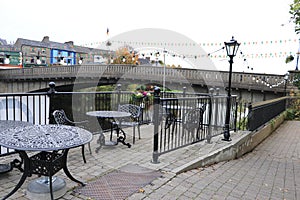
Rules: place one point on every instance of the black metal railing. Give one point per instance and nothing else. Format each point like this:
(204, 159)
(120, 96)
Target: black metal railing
(261, 113)
(30, 107)
(179, 119)
(175, 129)
(182, 121)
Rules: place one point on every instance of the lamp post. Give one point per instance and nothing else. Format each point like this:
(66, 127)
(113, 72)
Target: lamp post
(80, 60)
(157, 56)
(164, 81)
(298, 57)
(231, 50)
(286, 78)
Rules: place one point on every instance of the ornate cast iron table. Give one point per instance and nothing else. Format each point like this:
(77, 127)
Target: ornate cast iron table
(6, 124)
(111, 116)
(49, 140)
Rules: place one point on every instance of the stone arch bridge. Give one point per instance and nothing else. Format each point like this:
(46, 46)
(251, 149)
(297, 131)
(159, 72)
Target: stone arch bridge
(67, 77)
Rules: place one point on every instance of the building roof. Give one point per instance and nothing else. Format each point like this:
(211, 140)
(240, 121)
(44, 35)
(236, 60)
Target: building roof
(3, 42)
(46, 43)
(50, 44)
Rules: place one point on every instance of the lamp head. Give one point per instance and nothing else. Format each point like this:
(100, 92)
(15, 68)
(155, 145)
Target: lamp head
(286, 76)
(232, 47)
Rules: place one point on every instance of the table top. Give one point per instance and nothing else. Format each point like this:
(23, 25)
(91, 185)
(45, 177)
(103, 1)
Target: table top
(6, 124)
(108, 114)
(44, 137)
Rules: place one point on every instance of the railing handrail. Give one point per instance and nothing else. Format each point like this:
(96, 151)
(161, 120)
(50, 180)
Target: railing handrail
(263, 103)
(262, 112)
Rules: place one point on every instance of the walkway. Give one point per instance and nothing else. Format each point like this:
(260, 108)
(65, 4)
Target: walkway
(271, 171)
(268, 172)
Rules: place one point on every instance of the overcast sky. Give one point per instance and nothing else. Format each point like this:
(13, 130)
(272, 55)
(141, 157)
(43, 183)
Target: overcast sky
(86, 22)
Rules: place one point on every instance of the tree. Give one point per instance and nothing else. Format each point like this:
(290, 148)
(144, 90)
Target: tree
(295, 12)
(125, 56)
(295, 18)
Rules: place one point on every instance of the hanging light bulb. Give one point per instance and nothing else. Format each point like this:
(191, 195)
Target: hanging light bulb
(6, 60)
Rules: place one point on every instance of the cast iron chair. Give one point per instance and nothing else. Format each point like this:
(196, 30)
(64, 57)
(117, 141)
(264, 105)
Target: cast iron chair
(61, 118)
(193, 121)
(133, 121)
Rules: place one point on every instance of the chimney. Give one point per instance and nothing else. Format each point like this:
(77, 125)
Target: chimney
(45, 39)
(71, 43)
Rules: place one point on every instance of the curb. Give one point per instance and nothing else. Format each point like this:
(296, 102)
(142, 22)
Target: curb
(235, 149)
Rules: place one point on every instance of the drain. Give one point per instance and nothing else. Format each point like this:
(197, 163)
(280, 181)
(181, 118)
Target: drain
(119, 184)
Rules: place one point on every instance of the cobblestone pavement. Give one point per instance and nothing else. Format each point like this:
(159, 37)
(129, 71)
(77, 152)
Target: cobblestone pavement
(270, 171)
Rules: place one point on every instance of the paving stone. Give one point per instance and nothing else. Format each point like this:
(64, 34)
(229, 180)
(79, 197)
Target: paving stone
(269, 172)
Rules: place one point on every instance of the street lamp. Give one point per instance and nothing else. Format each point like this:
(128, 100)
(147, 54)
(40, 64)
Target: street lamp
(38, 61)
(298, 57)
(164, 81)
(157, 55)
(286, 78)
(80, 60)
(231, 49)
(6, 60)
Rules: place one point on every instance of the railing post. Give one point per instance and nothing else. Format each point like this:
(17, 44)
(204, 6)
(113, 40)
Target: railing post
(209, 133)
(119, 95)
(156, 121)
(216, 108)
(249, 117)
(50, 94)
(184, 92)
(236, 114)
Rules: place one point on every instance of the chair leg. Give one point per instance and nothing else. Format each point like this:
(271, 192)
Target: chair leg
(89, 144)
(82, 152)
(139, 131)
(111, 132)
(133, 139)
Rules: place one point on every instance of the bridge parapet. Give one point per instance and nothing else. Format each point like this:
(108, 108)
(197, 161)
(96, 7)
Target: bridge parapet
(210, 78)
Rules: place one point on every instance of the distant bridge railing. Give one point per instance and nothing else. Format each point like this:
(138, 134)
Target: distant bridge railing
(266, 82)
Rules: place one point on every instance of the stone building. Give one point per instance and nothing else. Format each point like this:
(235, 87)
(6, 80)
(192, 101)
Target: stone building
(31, 53)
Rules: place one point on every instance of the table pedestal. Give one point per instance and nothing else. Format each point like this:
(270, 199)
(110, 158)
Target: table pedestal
(39, 189)
(44, 163)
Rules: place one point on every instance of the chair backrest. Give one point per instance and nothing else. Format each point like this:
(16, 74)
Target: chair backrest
(193, 119)
(61, 118)
(134, 110)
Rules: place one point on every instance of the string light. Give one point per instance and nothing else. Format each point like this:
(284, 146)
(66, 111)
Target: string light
(145, 43)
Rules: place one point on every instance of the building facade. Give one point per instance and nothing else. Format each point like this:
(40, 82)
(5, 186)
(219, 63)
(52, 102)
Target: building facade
(31, 53)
